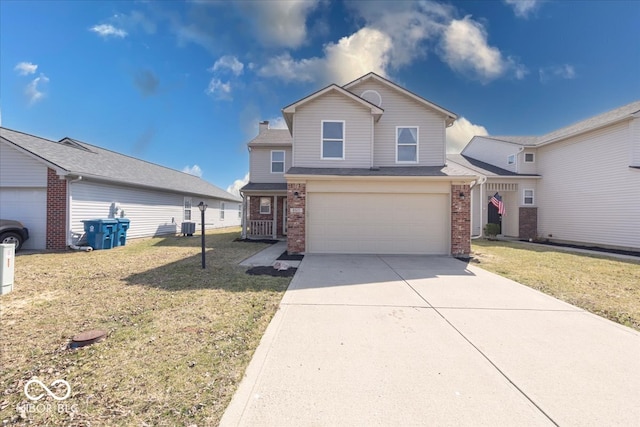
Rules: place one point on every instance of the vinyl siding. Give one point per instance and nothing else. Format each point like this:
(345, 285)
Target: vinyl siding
(635, 142)
(588, 193)
(308, 132)
(400, 110)
(152, 213)
(19, 170)
(527, 168)
(492, 152)
(260, 164)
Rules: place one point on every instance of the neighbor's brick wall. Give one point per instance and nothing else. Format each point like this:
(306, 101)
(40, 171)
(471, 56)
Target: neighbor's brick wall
(56, 211)
(254, 210)
(460, 220)
(296, 226)
(528, 227)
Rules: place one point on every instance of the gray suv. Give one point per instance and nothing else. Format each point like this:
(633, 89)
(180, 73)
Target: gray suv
(13, 232)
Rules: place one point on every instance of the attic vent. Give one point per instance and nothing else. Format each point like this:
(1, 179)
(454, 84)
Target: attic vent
(73, 143)
(372, 96)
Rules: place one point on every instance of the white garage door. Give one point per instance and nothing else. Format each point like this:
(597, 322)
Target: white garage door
(28, 206)
(378, 223)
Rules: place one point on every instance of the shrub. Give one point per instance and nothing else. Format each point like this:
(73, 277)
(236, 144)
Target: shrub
(491, 230)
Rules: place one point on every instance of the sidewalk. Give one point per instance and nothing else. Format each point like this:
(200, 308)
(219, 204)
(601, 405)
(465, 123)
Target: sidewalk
(268, 256)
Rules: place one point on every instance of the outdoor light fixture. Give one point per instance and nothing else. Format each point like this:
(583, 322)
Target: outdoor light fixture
(462, 195)
(203, 207)
(296, 194)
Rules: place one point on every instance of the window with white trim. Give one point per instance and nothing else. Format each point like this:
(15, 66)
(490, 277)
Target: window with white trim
(407, 144)
(187, 209)
(221, 211)
(265, 205)
(527, 197)
(332, 140)
(529, 158)
(511, 159)
(277, 161)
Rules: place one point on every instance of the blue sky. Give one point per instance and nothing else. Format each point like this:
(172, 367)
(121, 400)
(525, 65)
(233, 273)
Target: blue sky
(184, 84)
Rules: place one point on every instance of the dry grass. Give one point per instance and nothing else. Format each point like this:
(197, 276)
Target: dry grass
(179, 337)
(606, 286)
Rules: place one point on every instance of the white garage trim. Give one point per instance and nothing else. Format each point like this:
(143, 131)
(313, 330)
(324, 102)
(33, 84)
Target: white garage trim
(29, 206)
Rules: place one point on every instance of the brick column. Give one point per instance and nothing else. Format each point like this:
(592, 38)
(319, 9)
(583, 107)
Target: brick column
(460, 220)
(296, 226)
(56, 211)
(528, 223)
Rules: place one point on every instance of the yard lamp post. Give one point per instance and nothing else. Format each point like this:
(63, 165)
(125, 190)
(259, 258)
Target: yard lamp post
(203, 207)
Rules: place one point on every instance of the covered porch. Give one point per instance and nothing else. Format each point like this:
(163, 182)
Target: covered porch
(265, 211)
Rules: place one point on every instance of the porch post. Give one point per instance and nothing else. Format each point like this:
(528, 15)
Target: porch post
(275, 217)
(243, 219)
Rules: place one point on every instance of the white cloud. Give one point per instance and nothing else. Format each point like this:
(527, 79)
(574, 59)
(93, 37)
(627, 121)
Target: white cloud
(33, 91)
(228, 62)
(523, 8)
(564, 71)
(466, 51)
(281, 23)
(364, 51)
(219, 89)
(193, 170)
(460, 133)
(108, 30)
(277, 123)
(237, 185)
(26, 68)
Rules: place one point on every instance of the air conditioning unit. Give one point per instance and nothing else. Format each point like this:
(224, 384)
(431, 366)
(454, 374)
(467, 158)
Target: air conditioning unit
(188, 228)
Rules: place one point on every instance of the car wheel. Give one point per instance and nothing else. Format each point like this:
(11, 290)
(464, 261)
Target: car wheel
(11, 238)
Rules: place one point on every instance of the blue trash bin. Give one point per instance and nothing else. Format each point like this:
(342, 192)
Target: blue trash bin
(123, 226)
(100, 232)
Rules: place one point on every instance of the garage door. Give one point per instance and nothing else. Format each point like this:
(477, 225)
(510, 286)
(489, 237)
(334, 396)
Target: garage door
(28, 206)
(378, 223)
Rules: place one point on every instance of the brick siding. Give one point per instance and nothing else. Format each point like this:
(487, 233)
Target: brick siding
(460, 220)
(528, 227)
(296, 227)
(56, 211)
(254, 211)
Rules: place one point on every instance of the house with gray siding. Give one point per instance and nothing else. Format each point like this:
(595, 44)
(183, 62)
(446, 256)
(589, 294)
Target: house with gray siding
(52, 186)
(361, 168)
(578, 184)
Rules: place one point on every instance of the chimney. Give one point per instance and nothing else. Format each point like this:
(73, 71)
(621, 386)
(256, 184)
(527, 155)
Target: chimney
(264, 125)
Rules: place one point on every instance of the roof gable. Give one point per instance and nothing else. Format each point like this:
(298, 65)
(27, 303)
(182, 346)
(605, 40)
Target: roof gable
(75, 158)
(290, 110)
(450, 117)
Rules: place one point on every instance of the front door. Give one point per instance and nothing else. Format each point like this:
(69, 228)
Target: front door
(284, 216)
(493, 217)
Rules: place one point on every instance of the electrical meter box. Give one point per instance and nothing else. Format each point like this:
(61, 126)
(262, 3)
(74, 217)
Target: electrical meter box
(7, 256)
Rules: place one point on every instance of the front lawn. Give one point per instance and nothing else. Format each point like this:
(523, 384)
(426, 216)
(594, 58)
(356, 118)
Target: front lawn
(603, 285)
(179, 337)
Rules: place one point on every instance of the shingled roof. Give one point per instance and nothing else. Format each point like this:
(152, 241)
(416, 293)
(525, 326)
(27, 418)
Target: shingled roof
(71, 157)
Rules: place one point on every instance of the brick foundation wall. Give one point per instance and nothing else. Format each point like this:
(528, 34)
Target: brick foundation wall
(254, 211)
(460, 220)
(528, 223)
(296, 226)
(56, 211)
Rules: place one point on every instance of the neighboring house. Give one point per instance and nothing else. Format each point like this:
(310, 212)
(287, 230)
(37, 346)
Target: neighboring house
(52, 186)
(579, 184)
(360, 169)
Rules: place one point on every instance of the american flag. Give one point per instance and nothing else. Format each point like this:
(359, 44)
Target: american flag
(496, 200)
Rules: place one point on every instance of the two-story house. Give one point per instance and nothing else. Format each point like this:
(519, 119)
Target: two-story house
(361, 168)
(578, 184)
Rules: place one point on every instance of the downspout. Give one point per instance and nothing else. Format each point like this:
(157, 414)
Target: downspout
(480, 181)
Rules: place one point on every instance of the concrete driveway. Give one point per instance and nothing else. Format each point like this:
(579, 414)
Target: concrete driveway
(409, 340)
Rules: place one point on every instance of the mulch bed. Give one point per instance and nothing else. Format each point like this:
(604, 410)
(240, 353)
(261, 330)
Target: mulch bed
(286, 257)
(270, 271)
(270, 241)
(590, 248)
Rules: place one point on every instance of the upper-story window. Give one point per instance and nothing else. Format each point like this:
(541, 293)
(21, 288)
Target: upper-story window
(407, 144)
(529, 158)
(511, 159)
(277, 162)
(333, 140)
